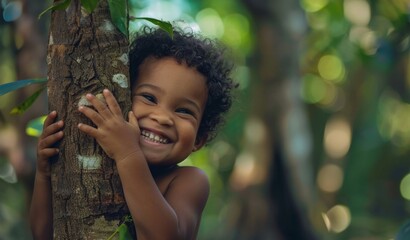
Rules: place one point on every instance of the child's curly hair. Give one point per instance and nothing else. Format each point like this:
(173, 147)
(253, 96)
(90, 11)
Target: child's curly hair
(203, 54)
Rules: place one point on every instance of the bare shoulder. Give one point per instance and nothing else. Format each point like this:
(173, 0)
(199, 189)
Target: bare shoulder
(183, 178)
(191, 173)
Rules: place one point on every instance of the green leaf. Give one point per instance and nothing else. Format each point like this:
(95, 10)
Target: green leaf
(59, 5)
(118, 10)
(35, 127)
(8, 87)
(164, 25)
(122, 230)
(89, 5)
(124, 233)
(27, 103)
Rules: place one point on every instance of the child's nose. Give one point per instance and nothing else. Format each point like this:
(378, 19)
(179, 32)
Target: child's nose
(162, 116)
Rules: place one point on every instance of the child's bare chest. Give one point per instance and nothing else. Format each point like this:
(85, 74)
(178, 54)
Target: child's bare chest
(164, 180)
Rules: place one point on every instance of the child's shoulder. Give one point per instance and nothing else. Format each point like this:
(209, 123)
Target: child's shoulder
(184, 178)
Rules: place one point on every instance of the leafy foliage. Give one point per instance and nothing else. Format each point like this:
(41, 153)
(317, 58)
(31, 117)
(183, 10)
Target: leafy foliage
(60, 5)
(164, 25)
(9, 87)
(118, 10)
(122, 230)
(35, 127)
(89, 5)
(27, 103)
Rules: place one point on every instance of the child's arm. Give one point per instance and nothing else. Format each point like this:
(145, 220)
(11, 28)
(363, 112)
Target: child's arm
(177, 214)
(41, 212)
(174, 215)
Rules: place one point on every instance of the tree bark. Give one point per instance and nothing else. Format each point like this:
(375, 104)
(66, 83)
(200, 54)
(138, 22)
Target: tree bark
(86, 54)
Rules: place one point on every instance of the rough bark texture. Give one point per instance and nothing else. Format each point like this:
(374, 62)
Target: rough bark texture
(86, 54)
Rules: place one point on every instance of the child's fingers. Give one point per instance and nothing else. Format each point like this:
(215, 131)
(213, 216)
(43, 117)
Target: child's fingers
(52, 128)
(101, 107)
(88, 130)
(50, 118)
(94, 116)
(48, 152)
(132, 119)
(50, 140)
(112, 102)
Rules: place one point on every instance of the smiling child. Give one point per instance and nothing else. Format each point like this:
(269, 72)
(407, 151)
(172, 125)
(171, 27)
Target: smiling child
(181, 89)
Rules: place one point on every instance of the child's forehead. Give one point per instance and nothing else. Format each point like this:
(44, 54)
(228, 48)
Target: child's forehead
(166, 67)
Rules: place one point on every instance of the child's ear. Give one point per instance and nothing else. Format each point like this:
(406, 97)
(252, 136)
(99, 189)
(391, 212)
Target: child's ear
(199, 143)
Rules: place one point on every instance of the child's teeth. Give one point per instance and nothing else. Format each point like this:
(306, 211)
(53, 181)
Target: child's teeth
(152, 137)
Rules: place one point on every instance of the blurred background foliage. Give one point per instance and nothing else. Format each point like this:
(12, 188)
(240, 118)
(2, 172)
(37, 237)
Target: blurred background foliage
(317, 143)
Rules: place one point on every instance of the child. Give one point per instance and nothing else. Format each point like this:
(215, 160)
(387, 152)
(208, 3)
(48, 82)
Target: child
(180, 89)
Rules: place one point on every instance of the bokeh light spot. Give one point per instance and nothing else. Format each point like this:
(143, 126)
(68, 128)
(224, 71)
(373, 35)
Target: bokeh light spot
(317, 21)
(330, 178)
(243, 173)
(338, 218)
(236, 30)
(330, 67)
(405, 187)
(313, 5)
(210, 23)
(12, 11)
(256, 131)
(313, 88)
(357, 11)
(337, 139)
(393, 119)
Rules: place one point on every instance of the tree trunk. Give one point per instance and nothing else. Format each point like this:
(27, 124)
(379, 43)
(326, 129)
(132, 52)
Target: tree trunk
(279, 28)
(86, 54)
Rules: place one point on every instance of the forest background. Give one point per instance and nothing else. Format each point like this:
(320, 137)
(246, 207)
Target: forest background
(317, 143)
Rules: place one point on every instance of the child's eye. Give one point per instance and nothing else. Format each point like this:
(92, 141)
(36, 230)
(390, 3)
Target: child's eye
(149, 97)
(185, 111)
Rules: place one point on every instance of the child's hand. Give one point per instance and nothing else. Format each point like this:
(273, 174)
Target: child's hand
(51, 134)
(113, 133)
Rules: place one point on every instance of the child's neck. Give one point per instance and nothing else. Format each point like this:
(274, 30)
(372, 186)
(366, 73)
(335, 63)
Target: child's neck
(159, 170)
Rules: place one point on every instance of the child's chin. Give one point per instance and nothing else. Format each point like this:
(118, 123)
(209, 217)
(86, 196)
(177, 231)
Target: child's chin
(154, 159)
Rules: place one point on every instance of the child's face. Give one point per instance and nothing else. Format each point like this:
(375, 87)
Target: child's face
(168, 100)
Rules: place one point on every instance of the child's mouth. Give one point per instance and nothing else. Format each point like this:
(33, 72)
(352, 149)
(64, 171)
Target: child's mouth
(150, 136)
